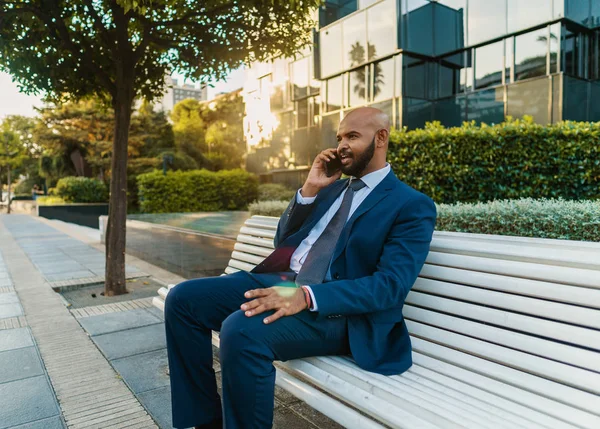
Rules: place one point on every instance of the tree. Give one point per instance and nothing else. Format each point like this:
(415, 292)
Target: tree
(12, 153)
(119, 50)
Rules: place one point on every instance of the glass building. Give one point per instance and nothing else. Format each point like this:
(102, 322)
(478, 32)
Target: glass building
(423, 60)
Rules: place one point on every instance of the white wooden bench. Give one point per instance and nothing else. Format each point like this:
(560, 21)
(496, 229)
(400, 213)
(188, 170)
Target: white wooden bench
(505, 334)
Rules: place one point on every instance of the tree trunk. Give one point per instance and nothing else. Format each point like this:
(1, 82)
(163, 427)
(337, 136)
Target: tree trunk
(117, 212)
(8, 205)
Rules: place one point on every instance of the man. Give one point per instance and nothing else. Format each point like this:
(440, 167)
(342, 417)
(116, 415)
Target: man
(354, 248)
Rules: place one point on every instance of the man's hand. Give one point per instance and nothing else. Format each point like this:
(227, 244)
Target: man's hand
(317, 177)
(286, 301)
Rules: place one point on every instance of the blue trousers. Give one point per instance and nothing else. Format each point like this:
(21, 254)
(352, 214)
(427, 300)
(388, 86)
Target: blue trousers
(247, 350)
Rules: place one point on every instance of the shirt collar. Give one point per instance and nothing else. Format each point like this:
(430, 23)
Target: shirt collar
(373, 179)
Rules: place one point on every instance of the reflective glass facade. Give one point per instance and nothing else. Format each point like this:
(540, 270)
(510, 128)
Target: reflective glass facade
(424, 60)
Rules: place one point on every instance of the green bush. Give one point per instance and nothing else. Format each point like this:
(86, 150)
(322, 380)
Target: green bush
(553, 218)
(268, 208)
(197, 190)
(275, 192)
(50, 201)
(24, 187)
(515, 159)
(558, 219)
(82, 190)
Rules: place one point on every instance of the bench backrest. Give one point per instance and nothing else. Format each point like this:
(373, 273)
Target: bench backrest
(525, 312)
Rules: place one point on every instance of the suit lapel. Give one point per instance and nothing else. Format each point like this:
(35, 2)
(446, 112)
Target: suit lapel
(379, 193)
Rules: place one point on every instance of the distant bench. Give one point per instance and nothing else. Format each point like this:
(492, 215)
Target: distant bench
(505, 334)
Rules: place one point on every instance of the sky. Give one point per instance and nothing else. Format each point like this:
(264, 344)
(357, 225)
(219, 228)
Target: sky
(12, 102)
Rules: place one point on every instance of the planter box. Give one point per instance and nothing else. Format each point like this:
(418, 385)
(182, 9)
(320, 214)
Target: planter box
(80, 214)
(190, 254)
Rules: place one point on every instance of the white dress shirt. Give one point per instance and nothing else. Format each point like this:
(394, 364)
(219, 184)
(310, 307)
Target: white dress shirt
(371, 180)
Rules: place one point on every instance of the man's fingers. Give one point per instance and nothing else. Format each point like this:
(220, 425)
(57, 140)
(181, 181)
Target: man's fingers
(277, 315)
(252, 304)
(257, 292)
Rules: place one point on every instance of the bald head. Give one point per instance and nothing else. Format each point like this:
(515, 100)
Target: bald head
(363, 137)
(368, 117)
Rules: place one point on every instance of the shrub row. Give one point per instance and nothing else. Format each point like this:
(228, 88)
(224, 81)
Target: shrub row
(196, 190)
(81, 190)
(511, 160)
(551, 218)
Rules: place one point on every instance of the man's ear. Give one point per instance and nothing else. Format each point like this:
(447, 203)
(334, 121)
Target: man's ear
(382, 137)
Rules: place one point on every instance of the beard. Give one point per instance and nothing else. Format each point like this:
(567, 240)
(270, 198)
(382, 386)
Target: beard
(359, 164)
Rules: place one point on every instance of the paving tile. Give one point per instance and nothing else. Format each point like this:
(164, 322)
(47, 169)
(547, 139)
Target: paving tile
(8, 298)
(111, 322)
(19, 363)
(285, 418)
(25, 401)
(132, 341)
(10, 310)
(158, 404)
(157, 312)
(51, 423)
(11, 339)
(145, 371)
(68, 276)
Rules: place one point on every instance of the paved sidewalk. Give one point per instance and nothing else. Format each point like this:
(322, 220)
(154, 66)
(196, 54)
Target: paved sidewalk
(90, 366)
(84, 390)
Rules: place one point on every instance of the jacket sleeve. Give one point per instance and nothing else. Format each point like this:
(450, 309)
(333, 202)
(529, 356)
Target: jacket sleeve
(404, 253)
(292, 219)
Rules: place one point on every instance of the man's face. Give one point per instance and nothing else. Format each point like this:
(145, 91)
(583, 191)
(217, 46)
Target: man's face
(355, 147)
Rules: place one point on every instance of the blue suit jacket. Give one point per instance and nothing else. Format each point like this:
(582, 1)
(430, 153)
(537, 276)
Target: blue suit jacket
(378, 257)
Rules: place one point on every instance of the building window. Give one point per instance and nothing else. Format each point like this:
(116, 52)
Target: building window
(333, 10)
(414, 76)
(416, 112)
(451, 70)
(299, 78)
(357, 87)
(575, 101)
(575, 53)
(451, 111)
(531, 51)
(383, 80)
(579, 11)
(526, 14)
(330, 49)
(554, 47)
(329, 128)
(487, 20)
(335, 92)
(489, 64)
(529, 98)
(302, 113)
(355, 41)
(486, 106)
(450, 25)
(381, 24)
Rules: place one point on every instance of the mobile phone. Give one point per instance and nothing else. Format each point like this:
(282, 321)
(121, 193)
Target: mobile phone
(333, 166)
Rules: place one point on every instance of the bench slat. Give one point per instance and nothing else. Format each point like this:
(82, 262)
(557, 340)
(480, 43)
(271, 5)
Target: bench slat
(526, 343)
(261, 242)
(499, 250)
(546, 328)
(537, 307)
(261, 223)
(465, 356)
(385, 412)
(565, 374)
(470, 370)
(527, 270)
(244, 266)
(246, 257)
(254, 250)
(584, 296)
(256, 232)
(397, 393)
(231, 270)
(488, 402)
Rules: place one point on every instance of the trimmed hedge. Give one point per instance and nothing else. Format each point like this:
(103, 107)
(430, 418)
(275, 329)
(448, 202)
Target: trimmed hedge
(558, 219)
(50, 201)
(81, 190)
(196, 191)
(274, 192)
(511, 160)
(554, 218)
